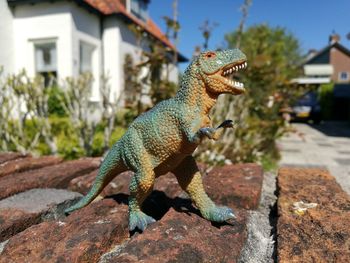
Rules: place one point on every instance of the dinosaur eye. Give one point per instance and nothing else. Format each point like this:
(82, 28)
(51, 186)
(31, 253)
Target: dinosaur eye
(210, 55)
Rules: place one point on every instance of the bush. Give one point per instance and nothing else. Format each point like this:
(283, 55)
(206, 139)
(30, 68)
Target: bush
(54, 102)
(97, 145)
(325, 97)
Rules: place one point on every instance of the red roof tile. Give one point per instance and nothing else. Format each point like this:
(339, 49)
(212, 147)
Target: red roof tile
(108, 7)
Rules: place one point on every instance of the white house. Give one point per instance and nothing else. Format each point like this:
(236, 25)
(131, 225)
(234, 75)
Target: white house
(65, 38)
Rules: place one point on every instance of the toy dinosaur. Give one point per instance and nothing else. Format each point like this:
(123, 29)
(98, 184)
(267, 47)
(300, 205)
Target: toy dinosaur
(164, 138)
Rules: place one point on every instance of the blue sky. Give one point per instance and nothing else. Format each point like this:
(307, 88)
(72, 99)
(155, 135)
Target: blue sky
(311, 21)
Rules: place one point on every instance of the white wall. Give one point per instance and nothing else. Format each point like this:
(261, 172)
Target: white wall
(67, 25)
(86, 27)
(40, 22)
(113, 68)
(6, 38)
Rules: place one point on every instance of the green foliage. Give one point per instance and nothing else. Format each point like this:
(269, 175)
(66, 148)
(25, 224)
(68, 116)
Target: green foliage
(325, 96)
(97, 146)
(55, 119)
(54, 102)
(273, 58)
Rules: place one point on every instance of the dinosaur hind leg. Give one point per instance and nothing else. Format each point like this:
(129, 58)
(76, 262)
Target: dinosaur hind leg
(110, 168)
(190, 180)
(141, 185)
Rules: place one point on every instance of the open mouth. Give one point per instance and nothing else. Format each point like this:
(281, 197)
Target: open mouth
(229, 75)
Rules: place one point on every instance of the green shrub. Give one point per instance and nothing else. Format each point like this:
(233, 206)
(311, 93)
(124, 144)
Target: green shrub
(325, 96)
(54, 102)
(97, 145)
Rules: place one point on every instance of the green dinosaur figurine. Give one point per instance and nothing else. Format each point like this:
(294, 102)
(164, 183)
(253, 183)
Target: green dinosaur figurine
(164, 138)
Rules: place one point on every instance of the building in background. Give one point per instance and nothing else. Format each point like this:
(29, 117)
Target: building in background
(330, 64)
(65, 38)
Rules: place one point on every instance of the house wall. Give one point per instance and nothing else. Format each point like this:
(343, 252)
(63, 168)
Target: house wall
(67, 25)
(130, 45)
(86, 27)
(111, 55)
(6, 42)
(341, 63)
(42, 22)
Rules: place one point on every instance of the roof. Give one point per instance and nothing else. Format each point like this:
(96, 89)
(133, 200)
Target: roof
(327, 49)
(110, 7)
(116, 7)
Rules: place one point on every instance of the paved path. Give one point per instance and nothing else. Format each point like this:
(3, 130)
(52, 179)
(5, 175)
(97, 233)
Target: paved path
(326, 145)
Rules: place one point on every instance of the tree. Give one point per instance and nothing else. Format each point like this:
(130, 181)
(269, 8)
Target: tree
(273, 58)
(207, 29)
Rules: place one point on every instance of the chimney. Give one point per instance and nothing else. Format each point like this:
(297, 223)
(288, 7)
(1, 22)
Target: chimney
(334, 38)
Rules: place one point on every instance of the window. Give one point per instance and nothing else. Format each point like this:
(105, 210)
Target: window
(86, 51)
(343, 76)
(46, 60)
(139, 8)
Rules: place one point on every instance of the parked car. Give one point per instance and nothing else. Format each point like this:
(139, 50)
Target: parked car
(307, 108)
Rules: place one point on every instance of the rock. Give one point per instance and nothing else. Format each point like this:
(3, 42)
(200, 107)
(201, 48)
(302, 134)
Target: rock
(9, 156)
(13, 221)
(235, 185)
(313, 217)
(169, 185)
(184, 237)
(120, 184)
(25, 164)
(55, 176)
(20, 211)
(82, 237)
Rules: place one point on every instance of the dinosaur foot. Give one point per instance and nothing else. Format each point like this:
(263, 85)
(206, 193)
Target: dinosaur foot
(139, 220)
(219, 214)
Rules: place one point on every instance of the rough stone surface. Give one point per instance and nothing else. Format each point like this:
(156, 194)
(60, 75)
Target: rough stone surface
(20, 211)
(13, 221)
(55, 176)
(120, 184)
(25, 164)
(82, 237)
(235, 185)
(8, 156)
(318, 234)
(32, 231)
(184, 237)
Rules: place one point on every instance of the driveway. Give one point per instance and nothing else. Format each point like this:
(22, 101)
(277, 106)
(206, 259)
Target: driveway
(326, 146)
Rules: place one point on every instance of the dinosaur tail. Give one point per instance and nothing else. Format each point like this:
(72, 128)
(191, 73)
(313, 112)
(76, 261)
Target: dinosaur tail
(111, 166)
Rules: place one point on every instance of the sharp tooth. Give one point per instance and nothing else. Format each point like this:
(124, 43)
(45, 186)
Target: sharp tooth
(230, 70)
(236, 68)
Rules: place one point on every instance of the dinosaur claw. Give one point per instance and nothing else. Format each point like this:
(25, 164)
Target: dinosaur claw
(139, 220)
(226, 124)
(232, 215)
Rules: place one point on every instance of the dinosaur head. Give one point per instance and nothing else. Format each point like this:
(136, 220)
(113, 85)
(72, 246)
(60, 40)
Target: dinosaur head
(218, 68)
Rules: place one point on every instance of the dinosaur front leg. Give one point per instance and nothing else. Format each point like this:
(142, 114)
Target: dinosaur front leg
(190, 180)
(141, 186)
(214, 133)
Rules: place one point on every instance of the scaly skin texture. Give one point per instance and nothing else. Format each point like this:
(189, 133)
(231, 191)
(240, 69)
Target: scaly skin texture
(164, 138)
